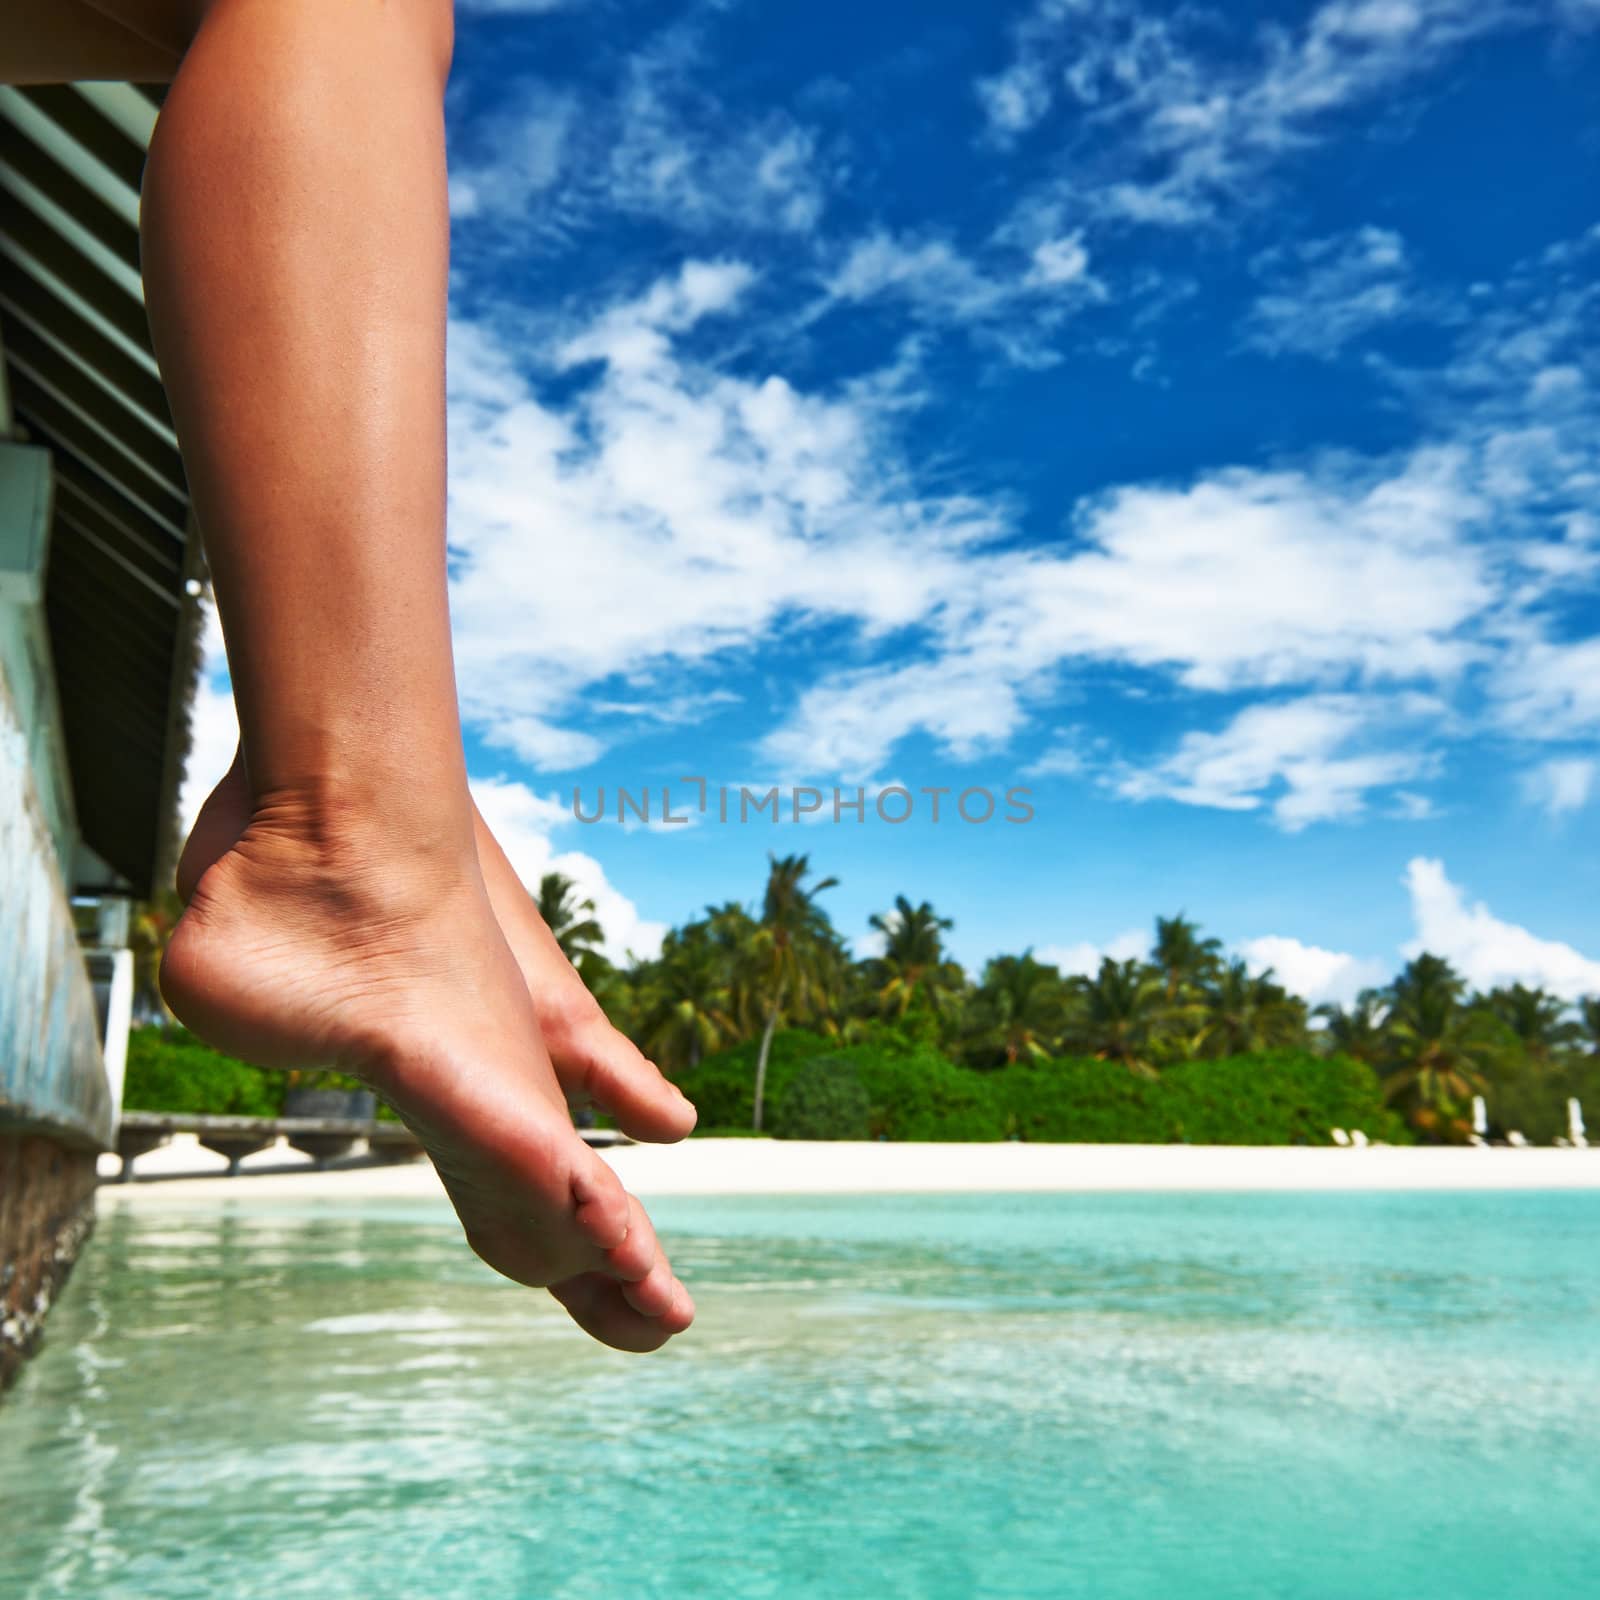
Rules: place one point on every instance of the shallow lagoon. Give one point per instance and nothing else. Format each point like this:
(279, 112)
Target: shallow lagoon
(1302, 1396)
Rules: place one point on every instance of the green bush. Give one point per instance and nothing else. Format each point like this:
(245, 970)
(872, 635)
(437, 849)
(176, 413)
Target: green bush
(170, 1070)
(1080, 1102)
(1283, 1097)
(723, 1086)
(823, 1099)
(1530, 1097)
(893, 1087)
(1286, 1097)
(917, 1094)
(911, 1092)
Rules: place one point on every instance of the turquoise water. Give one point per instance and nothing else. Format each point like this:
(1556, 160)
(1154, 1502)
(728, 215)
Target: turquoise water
(1363, 1396)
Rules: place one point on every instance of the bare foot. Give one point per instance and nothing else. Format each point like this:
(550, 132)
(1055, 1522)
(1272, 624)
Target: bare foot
(593, 1061)
(308, 943)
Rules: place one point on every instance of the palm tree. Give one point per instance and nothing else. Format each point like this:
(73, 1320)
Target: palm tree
(913, 971)
(1439, 1048)
(1357, 1031)
(1185, 959)
(1122, 1014)
(732, 933)
(794, 955)
(1018, 1011)
(1588, 1025)
(1538, 1018)
(569, 918)
(1246, 1012)
(687, 998)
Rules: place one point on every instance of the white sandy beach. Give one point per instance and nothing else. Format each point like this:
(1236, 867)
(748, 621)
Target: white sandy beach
(184, 1172)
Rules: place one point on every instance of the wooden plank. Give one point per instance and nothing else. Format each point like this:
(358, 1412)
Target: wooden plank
(67, 190)
(35, 304)
(79, 120)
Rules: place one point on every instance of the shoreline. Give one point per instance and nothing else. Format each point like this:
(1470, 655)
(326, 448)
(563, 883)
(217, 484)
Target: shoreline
(184, 1172)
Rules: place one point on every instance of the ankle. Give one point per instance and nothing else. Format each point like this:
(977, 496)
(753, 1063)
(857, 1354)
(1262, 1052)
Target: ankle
(357, 845)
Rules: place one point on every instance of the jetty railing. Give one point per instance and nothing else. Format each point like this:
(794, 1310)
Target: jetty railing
(324, 1139)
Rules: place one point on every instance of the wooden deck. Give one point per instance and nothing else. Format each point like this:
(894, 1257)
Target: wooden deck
(324, 1139)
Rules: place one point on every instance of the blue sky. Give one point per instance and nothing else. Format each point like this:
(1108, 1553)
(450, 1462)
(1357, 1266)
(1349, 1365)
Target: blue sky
(1186, 413)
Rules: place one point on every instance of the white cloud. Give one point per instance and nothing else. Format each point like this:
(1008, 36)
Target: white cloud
(1182, 121)
(931, 271)
(1057, 262)
(523, 821)
(1083, 959)
(1409, 806)
(1269, 578)
(760, 177)
(1243, 580)
(681, 516)
(1314, 759)
(632, 336)
(513, 7)
(523, 153)
(1562, 784)
(1484, 949)
(213, 726)
(1317, 975)
(676, 513)
(847, 725)
(1551, 689)
(1008, 302)
(1068, 756)
(1322, 294)
(1014, 100)
(544, 746)
(550, 160)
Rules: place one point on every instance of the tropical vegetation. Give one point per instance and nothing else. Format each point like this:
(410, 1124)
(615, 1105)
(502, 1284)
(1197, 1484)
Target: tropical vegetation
(770, 1022)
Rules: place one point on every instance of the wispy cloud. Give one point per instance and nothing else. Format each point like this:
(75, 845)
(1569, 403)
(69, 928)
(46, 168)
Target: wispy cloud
(522, 153)
(719, 513)
(1009, 301)
(548, 161)
(1563, 784)
(1550, 689)
(1313, 759)
(517, 7)
(703, 513)
(740, 500)
(1173, 120)
(1245, 580)
(677, 453)
(1322, 294)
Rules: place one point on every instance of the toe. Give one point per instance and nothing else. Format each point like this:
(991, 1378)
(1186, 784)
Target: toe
(680, 1313)
(609, 1069)
(653, 1294)
(596, 1303)
(639, 1251)
(600, 1201)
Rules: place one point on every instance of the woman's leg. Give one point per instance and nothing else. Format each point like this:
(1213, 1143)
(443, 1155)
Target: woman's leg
(295, 239)
(591, 1058)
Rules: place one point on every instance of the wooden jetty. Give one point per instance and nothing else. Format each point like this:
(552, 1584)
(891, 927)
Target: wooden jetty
(324, 1139)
